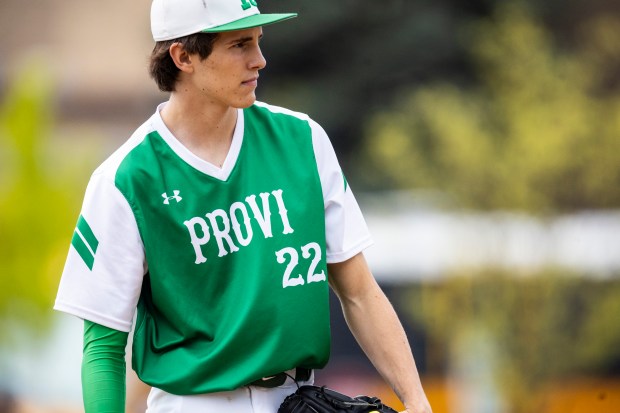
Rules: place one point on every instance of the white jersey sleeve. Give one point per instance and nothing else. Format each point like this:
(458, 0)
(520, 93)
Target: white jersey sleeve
(345, 228)
(103, 274)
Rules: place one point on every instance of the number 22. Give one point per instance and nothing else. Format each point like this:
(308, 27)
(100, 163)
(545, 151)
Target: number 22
(306, 253)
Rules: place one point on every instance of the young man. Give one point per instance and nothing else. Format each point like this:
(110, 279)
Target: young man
(222, 220)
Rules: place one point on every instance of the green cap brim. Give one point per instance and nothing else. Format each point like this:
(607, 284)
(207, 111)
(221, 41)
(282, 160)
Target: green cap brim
(251, 21)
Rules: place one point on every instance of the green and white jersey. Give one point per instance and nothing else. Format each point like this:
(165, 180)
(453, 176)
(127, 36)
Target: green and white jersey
(227, 267)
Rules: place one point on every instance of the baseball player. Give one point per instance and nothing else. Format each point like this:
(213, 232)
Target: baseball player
(220, 225)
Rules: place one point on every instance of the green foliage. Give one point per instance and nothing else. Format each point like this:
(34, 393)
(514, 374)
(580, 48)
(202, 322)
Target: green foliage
(540, 132)
(540, 327)
(38, 204)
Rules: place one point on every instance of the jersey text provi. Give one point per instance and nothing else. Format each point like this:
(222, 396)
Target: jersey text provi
(236, 221)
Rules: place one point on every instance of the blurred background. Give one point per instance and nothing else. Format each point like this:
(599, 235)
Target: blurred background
(482, 139)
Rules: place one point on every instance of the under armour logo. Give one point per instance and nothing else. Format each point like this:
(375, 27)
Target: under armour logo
(176, 197)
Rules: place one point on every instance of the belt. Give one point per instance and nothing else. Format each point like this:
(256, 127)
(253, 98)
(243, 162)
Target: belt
(301, 374)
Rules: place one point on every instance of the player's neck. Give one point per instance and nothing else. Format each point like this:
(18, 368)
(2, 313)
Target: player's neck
(206, 130)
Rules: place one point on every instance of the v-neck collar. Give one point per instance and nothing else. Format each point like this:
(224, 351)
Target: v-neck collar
(193, 160)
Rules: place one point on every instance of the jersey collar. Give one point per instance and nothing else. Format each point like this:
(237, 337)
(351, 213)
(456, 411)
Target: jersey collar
(196, 162)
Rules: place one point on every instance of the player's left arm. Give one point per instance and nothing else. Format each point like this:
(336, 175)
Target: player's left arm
(377, 329)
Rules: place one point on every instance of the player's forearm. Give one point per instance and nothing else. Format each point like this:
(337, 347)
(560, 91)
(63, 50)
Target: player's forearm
(380, 334)
(377, 329)
(103, 369)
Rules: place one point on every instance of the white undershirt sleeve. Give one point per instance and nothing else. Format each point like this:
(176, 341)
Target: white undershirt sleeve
(345, 228)
(103, 274)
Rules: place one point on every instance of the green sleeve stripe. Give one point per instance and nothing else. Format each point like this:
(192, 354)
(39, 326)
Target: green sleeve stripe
(85, 242)
(87, 233)
(82, 249)
(344, 178)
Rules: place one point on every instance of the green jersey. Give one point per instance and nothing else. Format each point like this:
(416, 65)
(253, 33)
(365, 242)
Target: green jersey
(227, 267)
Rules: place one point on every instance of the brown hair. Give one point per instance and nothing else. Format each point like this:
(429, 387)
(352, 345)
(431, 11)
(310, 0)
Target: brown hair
(161, 66)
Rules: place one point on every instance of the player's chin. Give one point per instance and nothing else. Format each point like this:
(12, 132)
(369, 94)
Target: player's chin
(245, 101)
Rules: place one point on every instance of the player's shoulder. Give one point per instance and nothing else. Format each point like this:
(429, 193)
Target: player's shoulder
(320, 140)
(110, 166)
(279, 111)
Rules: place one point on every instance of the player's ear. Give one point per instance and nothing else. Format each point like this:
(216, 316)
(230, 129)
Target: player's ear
(180, 57)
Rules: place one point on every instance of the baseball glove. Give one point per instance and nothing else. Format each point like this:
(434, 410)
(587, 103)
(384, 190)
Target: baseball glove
(314, 399)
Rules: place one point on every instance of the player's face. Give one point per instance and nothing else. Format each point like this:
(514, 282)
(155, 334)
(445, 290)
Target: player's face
(229, 75)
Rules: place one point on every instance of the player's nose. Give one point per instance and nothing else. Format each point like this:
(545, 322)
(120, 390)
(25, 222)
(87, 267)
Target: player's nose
(258, 61)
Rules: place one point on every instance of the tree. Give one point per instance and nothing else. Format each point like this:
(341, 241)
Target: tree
(41, 180)
(540, 132)
(525, 331)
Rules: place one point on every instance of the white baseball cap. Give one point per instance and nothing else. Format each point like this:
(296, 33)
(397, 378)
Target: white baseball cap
(171, 19)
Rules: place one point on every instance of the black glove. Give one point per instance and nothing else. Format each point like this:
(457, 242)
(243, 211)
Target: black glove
(314, 399)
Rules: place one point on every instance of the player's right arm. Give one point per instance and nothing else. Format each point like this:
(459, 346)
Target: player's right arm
(103, 369)
(101, 284)
(105, 266)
